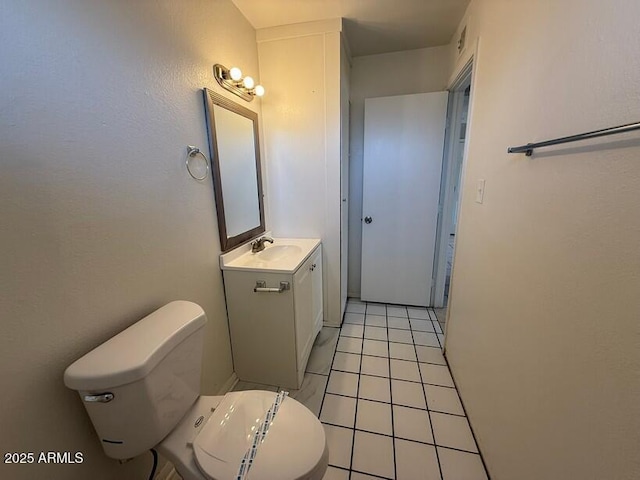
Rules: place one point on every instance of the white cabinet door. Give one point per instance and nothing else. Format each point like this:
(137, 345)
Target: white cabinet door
(304, 321)
(308, 306)
(262, 328)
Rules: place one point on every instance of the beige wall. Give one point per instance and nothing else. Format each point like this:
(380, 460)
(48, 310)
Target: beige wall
(413, 71)
(101, 222)
(544, 332)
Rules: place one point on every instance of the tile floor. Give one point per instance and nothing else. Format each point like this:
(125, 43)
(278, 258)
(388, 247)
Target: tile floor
(382, 389)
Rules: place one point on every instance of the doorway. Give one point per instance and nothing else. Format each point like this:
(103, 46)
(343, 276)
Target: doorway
(453, 164)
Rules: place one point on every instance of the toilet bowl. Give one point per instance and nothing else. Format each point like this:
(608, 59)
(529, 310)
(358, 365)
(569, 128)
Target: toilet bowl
(141, 390)
(294, 446)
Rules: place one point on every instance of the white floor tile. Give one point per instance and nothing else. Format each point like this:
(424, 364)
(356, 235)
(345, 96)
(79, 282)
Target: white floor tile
(404, 370)
(338, 410)
(430, 355)
(373, 454)
(436, 374)
(375, 388)
(408, 394)
(376, 309)
(352, 330)
(387, 357)
(339, 440)
(396, 311)
(402, 323)
(400, 336)
(375, 348)
(412, 424)
(402, 351)
(374, 417)
(347, 362)
(416, 460)
(350, 345)
(342, 383)
(376, 320)
(322, 351)
(357, 318)
(437, 327)
(327, 335)
(375, 366)
(333, 473)
(426, 338)
(452, 431)
(355, 307)
(362, 476)
(355, 300)
(311, 391)
(421, 325)
(443, 399)
(375, 333)
(460, 465)
(417, 312)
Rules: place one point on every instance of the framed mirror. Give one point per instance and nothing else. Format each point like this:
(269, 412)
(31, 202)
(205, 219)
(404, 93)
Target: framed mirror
(235, 161)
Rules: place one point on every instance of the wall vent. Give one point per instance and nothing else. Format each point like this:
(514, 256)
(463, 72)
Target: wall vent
(461, 40)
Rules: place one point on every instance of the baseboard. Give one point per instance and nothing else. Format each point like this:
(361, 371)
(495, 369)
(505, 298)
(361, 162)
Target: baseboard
(229, 384)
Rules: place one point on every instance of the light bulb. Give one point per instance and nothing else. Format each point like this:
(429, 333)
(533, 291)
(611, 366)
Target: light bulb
(248, 82)
(259, 90)
(235, 73)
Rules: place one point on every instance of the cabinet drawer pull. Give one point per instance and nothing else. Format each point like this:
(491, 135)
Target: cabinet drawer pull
(261, 287)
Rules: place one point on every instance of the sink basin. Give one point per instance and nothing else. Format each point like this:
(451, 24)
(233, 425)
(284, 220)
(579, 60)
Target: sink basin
(274, 253)
(285, 255)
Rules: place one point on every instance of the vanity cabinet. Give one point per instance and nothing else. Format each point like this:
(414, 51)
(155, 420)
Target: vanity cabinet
(274, 318)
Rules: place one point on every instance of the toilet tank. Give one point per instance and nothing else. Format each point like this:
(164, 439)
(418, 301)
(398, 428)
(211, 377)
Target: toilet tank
(139, 384)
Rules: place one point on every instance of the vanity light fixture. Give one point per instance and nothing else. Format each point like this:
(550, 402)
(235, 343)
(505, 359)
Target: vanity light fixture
(232, 80)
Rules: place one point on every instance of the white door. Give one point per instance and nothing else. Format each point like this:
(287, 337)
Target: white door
(403, 146)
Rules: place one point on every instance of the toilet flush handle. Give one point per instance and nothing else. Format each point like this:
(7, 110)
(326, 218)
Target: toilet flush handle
(99, 397)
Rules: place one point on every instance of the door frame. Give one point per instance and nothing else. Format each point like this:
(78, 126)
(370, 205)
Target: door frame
(447, 204)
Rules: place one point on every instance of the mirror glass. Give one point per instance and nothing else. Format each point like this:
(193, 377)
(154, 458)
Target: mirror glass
(235, 158)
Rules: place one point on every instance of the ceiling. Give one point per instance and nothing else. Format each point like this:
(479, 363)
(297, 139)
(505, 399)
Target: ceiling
(371, 26)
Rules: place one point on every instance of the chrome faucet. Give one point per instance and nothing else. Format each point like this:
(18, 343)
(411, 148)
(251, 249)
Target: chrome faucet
(258, 245)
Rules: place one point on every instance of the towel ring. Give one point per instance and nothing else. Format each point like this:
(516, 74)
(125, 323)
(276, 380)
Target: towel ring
(196, 167)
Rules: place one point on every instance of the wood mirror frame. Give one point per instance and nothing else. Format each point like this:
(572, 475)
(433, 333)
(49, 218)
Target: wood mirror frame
(211, 100)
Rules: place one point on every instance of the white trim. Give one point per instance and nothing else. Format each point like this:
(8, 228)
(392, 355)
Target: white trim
(447, 198)
(474, 59)
(458, 79)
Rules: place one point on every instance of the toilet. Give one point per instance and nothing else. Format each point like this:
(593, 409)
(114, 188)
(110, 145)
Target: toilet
(141, 390)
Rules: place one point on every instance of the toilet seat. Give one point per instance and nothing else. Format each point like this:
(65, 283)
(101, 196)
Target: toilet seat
(293, 448)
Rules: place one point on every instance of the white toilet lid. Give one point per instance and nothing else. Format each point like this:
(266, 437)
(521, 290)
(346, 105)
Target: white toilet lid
(292, 448)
